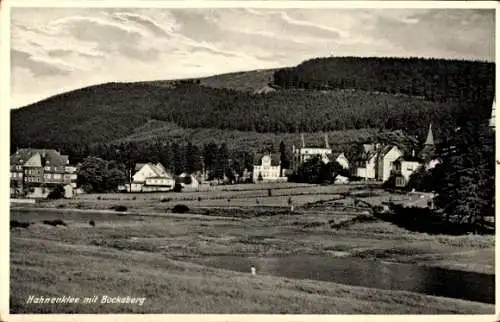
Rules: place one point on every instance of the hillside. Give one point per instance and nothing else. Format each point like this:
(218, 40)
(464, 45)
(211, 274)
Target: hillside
(250, 81)
(250, 141)
(228, 108)
(434, 79)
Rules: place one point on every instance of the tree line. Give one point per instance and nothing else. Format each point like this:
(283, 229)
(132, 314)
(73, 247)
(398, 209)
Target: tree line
(434, 79)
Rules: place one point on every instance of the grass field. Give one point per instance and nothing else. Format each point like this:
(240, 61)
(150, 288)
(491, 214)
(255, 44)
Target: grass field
(155, 255)
(248, 195)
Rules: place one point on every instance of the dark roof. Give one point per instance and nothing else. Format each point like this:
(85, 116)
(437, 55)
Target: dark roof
(47, 156)
(413, 159)
(275, 159)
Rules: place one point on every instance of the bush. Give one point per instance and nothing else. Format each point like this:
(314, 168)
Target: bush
(426, 220)
(92, 223)
(165, 199)
(60, 206)
(119, 208)
(98, 197)
(180, 209)
(56, 193)
(133, 198)
(19, 224)
(56, 222)
(178, 187)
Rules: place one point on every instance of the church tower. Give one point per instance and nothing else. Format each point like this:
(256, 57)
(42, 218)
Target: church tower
(429, 149)
(430, 137)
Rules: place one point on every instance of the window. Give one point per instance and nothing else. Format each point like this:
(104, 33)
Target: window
(57, 176)
(400, 182)
(47, 168)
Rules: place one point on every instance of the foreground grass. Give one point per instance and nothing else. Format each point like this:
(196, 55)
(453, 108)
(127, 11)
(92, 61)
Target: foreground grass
(56, 268)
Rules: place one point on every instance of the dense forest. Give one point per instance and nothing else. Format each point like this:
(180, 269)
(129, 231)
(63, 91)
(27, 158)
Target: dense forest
(331, 95)
(433, 79)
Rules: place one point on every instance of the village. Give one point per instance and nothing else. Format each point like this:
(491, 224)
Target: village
(35, 172)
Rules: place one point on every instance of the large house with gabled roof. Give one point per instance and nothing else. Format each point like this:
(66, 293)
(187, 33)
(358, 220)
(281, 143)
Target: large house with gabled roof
(150, 177)
(39, 170)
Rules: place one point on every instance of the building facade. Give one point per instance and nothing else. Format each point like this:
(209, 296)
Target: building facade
(150, 178)
(302, 154)
(404, 167)
(267, 168)
(39, 170)
(376, 162)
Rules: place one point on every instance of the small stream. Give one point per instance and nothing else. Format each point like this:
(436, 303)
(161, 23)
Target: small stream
(369, 273)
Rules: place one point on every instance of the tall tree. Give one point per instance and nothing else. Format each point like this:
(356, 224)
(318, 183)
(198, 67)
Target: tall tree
(465, 178)
(210, 159)
(284, 156)
(178, 158)
(222, 163)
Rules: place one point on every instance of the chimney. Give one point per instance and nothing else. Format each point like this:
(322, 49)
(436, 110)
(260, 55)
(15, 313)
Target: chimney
(413, 152)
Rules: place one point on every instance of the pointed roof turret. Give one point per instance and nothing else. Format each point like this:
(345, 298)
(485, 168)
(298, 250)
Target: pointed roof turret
(430, 137)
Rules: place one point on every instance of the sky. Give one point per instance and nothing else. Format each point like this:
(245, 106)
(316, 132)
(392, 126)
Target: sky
(54, 50)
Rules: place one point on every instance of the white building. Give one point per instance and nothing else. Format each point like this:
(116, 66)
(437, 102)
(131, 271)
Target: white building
(404, 167)
(188, 181)
(386, 158)
(376, 163)
(326, 154)
(150, 177)
(267, 168)
(341, 159)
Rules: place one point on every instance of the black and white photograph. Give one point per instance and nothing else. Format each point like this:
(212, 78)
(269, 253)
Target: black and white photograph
(267, 157)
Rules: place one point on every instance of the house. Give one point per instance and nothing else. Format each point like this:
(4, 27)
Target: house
(150, 177)
(376, 162)
(385, 160)
(267, 168)
(37, 171)
(304, 153)
(188, 181)
(365, 166)
(340, 158)
(404, 167)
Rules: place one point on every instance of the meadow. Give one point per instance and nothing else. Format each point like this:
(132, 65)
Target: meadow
(154, 253)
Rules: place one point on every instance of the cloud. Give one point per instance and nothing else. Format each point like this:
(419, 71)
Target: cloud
(83, 46)
(36, 65)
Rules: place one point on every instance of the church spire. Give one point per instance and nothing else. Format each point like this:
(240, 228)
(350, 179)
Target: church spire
(303, 141)
(430, 137)
(326, 141)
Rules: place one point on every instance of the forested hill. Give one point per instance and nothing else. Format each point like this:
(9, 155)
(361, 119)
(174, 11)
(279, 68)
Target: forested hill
(115, 111)
(434, 79)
